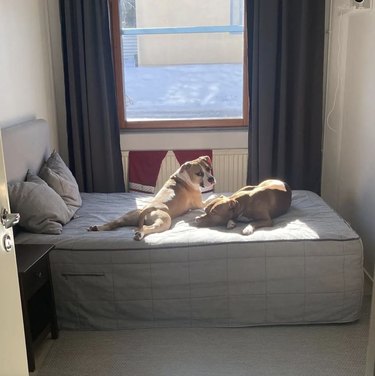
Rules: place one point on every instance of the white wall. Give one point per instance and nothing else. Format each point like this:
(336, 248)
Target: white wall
(348, 178)
(178, 140)
(26, 84)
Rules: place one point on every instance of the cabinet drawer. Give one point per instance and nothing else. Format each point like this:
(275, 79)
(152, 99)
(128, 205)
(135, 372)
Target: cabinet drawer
(35, 278)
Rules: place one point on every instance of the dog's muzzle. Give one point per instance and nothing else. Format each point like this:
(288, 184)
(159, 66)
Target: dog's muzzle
(210, 180)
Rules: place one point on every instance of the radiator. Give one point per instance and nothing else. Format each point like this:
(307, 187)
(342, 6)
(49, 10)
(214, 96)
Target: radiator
(229, 168)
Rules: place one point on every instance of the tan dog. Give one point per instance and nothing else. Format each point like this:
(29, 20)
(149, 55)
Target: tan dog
(256, 204)
(179, 194)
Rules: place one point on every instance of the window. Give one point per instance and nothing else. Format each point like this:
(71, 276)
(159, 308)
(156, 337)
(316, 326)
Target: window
(180, 64)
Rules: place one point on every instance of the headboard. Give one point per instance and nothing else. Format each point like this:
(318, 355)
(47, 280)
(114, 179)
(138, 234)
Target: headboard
(26, 146)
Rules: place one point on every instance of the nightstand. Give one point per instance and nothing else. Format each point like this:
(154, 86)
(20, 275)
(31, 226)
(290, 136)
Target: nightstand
(37, 298)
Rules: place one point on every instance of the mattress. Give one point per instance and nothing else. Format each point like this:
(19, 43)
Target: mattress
(306, 269)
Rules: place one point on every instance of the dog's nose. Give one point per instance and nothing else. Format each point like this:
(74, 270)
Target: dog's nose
(211, 179)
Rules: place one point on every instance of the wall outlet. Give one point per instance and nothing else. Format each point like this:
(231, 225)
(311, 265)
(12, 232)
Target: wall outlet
(362, 4)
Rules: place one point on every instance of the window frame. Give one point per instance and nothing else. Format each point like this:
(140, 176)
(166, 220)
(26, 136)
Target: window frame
(170, 123)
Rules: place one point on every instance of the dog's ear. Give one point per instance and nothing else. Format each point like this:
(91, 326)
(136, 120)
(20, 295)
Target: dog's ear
(232, 203)
(185, 166)
(207, 159)
(209, 207)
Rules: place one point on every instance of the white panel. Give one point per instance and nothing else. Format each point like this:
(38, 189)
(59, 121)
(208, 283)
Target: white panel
(125, 161)
(230, 169)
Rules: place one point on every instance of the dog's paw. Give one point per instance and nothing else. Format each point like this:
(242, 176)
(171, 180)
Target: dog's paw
(248, 230)
(138, 235)
(231, 224)
(93, 228)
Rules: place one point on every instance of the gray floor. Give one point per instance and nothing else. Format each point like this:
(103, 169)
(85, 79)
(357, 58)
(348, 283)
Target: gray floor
(290, 350)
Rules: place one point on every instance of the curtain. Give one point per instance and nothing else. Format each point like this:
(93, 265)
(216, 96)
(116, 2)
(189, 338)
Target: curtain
(285, 56)
(144, 168)
(92, 122)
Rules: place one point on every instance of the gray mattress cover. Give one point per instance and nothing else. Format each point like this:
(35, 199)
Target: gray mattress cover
(306, 269)
(309, 218)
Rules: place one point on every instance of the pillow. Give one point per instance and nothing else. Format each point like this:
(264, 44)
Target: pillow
(58, 176)
(41, 209)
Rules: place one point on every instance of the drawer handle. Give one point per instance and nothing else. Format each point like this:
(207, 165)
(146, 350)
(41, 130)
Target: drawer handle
(67, 275)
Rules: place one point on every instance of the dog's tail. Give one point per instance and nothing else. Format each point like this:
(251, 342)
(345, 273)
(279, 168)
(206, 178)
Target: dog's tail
(148, 210)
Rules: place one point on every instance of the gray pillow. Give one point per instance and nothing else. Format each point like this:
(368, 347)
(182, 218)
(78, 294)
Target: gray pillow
(58, 176)
(41, 209)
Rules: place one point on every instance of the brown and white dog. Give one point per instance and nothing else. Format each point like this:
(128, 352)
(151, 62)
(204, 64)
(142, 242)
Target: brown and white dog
(180, 193)
(257, 204)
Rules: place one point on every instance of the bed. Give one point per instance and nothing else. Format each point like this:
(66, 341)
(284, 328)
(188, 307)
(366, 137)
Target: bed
(307, 269)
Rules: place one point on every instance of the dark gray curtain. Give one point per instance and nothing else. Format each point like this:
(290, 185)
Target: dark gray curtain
(285, 52)
(92, 122)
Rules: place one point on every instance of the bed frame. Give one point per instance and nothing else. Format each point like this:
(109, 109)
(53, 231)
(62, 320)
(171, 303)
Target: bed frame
(187, 277)
(26, 146)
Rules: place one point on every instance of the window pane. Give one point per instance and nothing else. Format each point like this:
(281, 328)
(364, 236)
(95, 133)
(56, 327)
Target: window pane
(182, 59)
